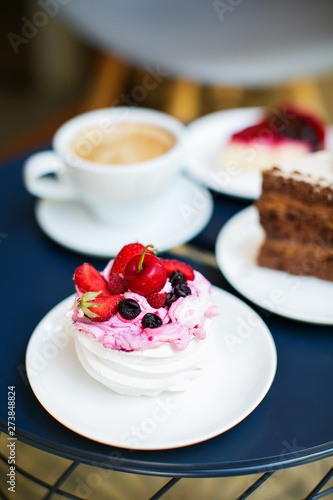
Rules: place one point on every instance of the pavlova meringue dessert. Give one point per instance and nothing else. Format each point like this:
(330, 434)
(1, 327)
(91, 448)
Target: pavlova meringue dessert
(141, 326)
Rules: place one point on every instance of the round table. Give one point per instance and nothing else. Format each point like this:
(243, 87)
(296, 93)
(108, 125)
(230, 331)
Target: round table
(293, 425)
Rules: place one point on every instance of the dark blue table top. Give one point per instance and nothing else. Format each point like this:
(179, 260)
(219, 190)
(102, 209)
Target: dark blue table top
(291, 426)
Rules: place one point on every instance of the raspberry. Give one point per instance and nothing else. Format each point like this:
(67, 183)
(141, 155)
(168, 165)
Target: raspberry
(157, 300)
(117, 284)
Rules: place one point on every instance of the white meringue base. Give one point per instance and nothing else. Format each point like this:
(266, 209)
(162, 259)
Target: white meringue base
(143, 373)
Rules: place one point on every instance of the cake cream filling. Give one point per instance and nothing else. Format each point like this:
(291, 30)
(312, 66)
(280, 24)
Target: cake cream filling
(259, 155)
(316, 168)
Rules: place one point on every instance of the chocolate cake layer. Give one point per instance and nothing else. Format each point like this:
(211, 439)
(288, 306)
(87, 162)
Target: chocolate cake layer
(299, 187)
(304, 260)
(291, 218)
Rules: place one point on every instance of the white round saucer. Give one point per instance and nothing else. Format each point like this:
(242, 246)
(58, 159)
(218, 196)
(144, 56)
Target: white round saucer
(180, 214)
(239, 374)
(302, 298)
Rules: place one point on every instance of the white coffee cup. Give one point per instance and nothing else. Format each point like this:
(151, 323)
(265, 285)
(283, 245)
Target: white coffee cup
(114, 193)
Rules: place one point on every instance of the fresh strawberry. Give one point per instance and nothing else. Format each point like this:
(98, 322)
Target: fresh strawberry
(117, 284)
(98, 307)
(88, 279)
(157, 300)
(175, 265)
(125, 255)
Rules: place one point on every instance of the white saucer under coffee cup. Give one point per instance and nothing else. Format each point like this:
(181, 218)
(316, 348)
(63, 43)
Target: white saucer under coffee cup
(114, 193)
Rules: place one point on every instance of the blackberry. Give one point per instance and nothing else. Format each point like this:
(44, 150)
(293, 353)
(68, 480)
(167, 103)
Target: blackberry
(182, 290)
(151, 321)
(170, 298)
(129, 308)
(176, 278)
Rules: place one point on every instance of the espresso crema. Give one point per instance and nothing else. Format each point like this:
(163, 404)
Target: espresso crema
(123, 143)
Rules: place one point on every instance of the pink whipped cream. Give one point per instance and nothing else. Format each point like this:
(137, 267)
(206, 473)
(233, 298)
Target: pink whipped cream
(181, 322)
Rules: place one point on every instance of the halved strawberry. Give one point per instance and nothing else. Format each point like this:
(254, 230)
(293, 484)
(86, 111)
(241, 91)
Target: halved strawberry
(175, 265)
(125, 255)
(88, 279)
(98, 307)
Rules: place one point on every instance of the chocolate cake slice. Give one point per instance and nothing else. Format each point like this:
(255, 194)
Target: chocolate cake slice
(296, 212)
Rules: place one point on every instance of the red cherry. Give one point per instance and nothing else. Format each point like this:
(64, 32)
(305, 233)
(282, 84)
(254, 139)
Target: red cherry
(145, 274)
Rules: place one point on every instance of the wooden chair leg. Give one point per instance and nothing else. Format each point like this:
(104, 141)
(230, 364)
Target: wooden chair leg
(185, 100)
(307, 95)
(111, 79)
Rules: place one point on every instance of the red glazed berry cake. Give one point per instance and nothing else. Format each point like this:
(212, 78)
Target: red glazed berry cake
(282, 135)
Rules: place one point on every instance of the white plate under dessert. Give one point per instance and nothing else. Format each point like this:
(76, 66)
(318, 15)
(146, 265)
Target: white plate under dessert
(241, 371)
(302, 298)
(206, 138)
(180, 214)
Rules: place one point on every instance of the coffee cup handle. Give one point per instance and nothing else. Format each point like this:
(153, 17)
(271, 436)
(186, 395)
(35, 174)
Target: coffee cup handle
(35, 172)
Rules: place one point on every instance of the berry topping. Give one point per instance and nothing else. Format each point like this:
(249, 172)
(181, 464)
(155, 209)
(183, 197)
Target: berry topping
(176, 278)
(182, 290)
(129, 308)
(125, 255)
(98, 307)
(145, 274)
(170, 299)
(286, 122)
(88, 279)
(117, 284)
(175, 265)
(157, 300)
(151, 321)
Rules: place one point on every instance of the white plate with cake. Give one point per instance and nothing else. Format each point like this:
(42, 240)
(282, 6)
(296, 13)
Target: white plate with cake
(136, 397)
(279, 253)
(227, 150)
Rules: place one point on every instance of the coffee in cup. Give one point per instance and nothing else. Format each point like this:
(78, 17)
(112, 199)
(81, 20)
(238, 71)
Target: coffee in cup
(125, 143)
(115, 161)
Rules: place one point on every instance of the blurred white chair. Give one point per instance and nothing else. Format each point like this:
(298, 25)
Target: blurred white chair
(219, 42)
